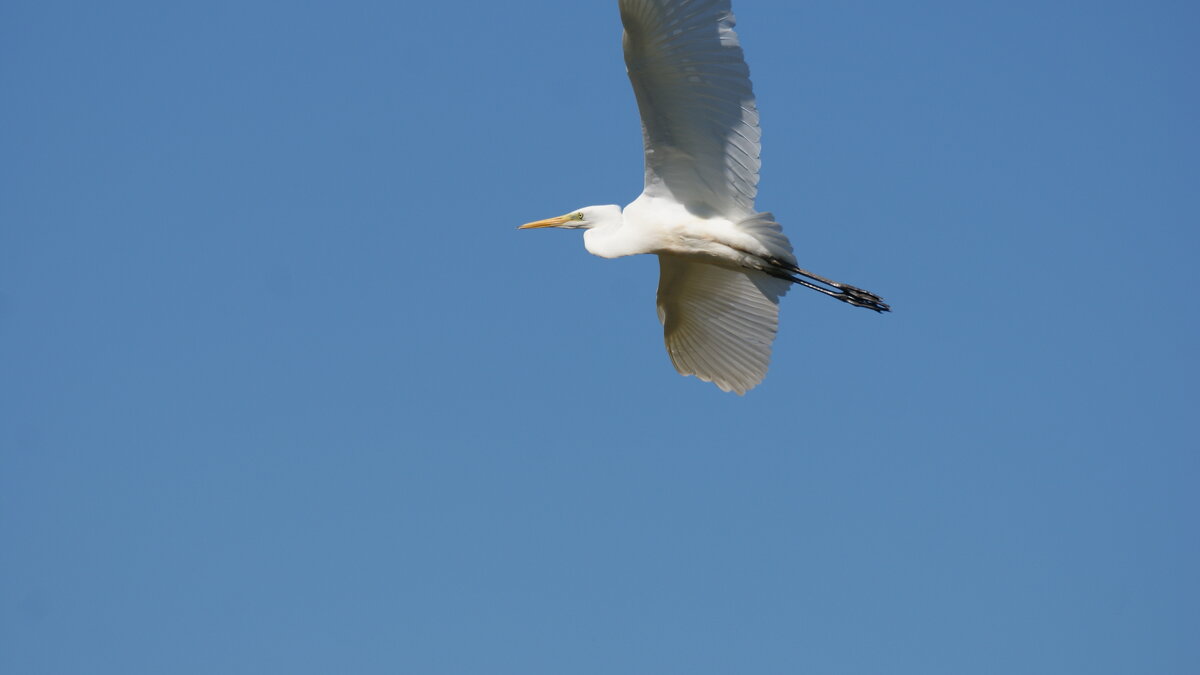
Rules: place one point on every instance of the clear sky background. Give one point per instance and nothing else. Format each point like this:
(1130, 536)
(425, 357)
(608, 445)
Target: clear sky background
(282, 390)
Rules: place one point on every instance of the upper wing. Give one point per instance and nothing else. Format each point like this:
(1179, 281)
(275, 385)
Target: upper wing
(718, 323)
(699, 121)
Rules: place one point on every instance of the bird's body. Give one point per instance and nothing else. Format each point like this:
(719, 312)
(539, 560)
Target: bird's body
(666, 227)
(723, 266)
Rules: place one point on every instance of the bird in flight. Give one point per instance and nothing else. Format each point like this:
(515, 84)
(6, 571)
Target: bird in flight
(722, 265)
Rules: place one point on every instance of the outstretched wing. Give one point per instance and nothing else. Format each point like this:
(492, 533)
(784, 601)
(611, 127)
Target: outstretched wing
(718, 323)
(699, 120)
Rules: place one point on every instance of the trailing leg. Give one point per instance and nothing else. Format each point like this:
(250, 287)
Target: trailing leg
(846, 293)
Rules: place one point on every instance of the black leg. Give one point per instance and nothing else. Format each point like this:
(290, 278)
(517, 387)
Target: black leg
(844, 292)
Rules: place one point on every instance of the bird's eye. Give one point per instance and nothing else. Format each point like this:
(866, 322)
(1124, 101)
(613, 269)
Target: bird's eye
(579, 216)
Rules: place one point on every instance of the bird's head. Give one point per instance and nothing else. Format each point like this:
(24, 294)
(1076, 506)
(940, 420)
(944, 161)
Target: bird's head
(580, 219)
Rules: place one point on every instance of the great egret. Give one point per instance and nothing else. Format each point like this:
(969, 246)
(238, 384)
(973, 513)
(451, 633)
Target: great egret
(722, 265)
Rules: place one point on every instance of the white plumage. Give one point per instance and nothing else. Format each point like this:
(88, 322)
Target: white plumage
(699, 120)
(723, 266)
(718, 323)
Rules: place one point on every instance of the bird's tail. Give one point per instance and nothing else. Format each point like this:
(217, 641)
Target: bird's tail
(762, 226)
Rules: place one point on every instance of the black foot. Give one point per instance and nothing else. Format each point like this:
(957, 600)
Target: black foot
(860, 298)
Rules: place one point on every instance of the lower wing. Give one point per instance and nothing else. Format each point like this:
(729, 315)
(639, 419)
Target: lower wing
(718, 323)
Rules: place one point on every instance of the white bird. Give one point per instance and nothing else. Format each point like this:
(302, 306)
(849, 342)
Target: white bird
(723, 266)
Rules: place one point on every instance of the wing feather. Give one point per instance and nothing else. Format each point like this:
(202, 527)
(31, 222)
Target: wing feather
(718, 323)
(699, 119)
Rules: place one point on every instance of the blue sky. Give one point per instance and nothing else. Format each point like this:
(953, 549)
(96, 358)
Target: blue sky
(283, 390)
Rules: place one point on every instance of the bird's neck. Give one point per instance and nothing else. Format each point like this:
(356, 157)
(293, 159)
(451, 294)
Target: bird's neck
(611, 240)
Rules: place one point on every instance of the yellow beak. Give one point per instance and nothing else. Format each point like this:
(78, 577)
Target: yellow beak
(549, 222)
